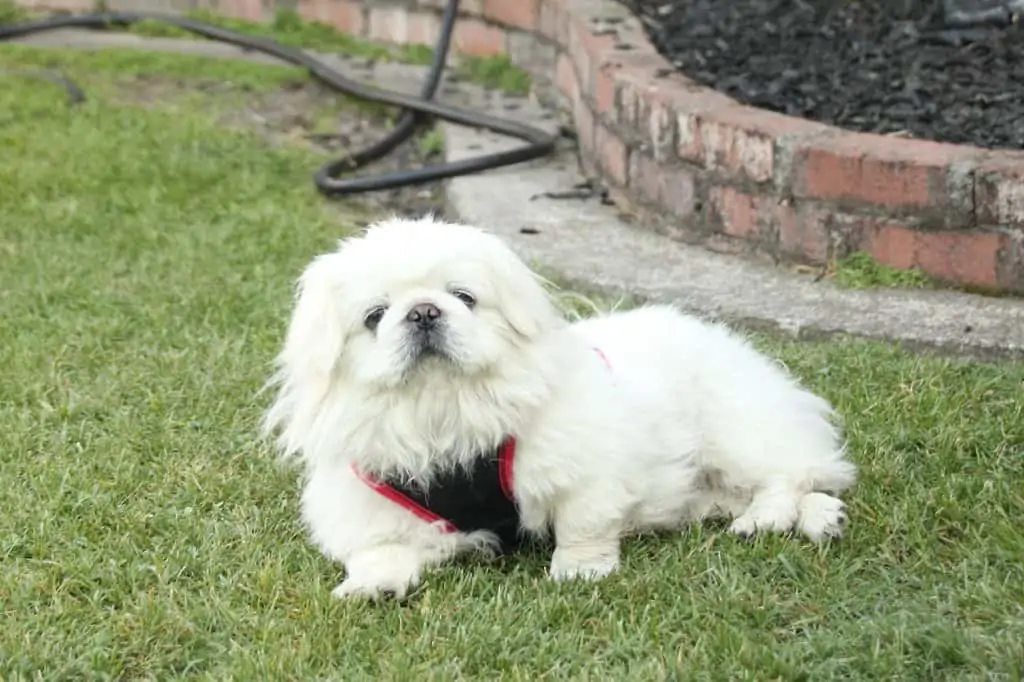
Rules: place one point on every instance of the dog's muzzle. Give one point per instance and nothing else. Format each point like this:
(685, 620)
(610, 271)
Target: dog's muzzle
(426, 330)
(425, 316)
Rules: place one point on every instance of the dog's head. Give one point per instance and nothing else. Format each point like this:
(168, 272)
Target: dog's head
(411, 301)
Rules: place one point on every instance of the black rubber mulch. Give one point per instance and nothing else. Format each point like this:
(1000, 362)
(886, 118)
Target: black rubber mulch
(858, 65)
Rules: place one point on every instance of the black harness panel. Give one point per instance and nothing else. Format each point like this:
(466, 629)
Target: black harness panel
(471, 500)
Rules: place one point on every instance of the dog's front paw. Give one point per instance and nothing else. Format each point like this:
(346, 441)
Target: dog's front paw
(375, 590)
(569, 564)
(380, 573)
(822, 516)
(775, 514)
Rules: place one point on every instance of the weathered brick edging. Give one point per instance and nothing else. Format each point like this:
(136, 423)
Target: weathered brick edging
(705, 169)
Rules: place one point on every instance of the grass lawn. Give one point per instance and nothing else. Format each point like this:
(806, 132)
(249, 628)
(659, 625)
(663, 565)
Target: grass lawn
(146, 263)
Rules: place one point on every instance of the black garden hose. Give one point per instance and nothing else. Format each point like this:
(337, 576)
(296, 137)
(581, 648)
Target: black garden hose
(416, 111)
(75, 94)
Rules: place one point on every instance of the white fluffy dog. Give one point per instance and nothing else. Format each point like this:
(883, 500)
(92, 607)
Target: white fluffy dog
(420, 348)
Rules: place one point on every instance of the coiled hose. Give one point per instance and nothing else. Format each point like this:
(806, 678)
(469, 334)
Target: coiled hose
(416, 111)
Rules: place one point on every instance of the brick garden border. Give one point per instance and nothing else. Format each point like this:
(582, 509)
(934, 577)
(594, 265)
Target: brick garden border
(699, 166)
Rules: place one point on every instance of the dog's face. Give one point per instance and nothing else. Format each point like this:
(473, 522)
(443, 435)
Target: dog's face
(413, 299)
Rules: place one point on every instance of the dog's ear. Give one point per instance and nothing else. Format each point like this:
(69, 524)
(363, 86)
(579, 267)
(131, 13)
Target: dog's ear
(523, 301)
(315, 337)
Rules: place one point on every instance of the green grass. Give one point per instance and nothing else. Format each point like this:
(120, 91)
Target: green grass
(288, 28)
(146, 264)
(98, 69)
(431, 143)
(495, 73)
(11, 12)
(860, 271)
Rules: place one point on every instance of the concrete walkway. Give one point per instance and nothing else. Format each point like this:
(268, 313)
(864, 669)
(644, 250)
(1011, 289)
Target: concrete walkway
(585, 244)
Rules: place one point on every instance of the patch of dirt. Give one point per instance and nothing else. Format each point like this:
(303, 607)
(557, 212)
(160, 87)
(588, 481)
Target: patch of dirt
(306, 115)
(866, 65)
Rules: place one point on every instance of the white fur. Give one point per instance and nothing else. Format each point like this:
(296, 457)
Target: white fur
(686, 421)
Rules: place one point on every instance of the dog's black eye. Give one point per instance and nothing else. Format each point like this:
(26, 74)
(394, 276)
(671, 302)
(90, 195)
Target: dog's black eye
(373, 317)
(465, 297)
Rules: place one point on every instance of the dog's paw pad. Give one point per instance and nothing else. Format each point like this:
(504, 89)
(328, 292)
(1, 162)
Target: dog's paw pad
(822, 516)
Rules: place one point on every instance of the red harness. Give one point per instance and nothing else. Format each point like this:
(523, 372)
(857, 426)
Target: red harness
(495, 502)
(506, 458)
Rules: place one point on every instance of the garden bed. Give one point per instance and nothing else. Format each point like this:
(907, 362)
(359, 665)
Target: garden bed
(865, 66)
(149, 243)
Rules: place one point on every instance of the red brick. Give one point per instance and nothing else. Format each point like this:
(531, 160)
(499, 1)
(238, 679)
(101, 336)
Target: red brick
(551, 20)
(970, 258)
(999, 193)
(585, 133)
(1012, 264)
(671, 188)
(524, 14)
(691, 104)
(803, 231)
(249, 10)
(396, 25)
(604, 90)
(347, 17)
(471, 7)
(892, 245)
(603, 65)
(145, 6)
(791, 230)
(739, 214)
(474, 37)
(423, 29)
(631, 87)
(588, 52)
(531, 54)
(661, 126)
(311, 10)
(389, 24)
(344, 15)
(964, 257)
(565, 77)
(597, 46)
(743, 140)
(612, 154)
(652, 106)
(574, 48)
(883, 171)
(627, 98)
(60, 5)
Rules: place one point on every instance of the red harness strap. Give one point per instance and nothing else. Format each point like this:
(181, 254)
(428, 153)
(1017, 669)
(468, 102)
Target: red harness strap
(506, 460)
(506, 463)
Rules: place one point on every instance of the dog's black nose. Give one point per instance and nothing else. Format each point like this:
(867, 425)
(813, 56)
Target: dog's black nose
(423, 314)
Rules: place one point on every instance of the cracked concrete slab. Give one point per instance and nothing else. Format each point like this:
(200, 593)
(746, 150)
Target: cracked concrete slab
(587, 245)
